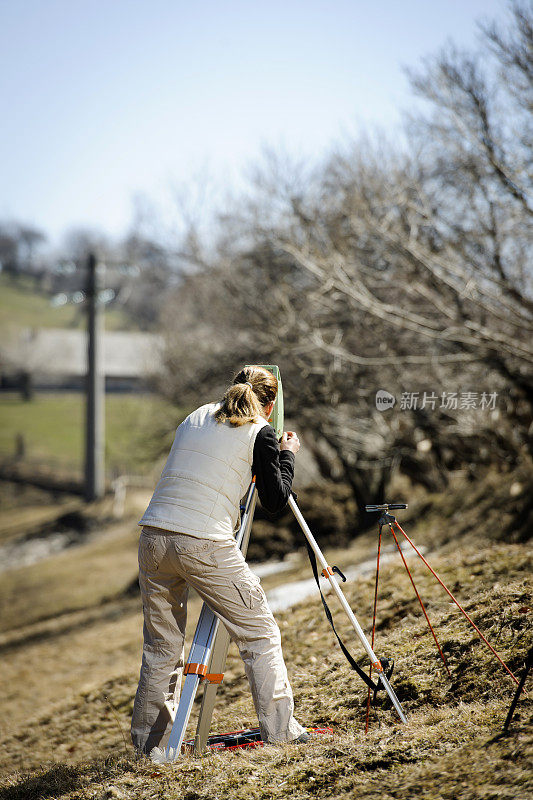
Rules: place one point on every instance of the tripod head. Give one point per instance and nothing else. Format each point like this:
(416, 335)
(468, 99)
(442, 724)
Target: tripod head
(386, 507)
(386, 518)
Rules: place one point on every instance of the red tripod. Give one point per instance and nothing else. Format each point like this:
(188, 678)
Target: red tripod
(390, 520)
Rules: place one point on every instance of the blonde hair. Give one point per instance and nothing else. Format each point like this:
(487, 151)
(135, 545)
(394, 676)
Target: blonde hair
(252, 388)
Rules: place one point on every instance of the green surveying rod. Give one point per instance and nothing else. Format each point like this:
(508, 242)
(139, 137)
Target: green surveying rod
(276, 419)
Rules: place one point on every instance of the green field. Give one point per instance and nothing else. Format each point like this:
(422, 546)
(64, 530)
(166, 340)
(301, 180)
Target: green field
(22, 305)
(137, 429)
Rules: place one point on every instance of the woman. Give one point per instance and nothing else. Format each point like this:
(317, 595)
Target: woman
(188, 540)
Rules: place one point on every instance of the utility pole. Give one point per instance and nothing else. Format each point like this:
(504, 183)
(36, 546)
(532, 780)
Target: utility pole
(95, 389)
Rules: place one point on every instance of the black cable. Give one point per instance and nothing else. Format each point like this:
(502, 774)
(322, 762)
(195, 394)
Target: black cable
(351, 661)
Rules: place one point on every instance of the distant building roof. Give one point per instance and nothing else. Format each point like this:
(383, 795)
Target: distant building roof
(64, 352)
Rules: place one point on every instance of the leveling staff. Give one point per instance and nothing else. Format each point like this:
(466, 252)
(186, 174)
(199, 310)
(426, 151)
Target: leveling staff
(188, 540)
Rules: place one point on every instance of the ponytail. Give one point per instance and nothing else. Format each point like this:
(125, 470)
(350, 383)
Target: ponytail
(252, 389)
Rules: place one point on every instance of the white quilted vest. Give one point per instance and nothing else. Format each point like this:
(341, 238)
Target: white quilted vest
(208, 471)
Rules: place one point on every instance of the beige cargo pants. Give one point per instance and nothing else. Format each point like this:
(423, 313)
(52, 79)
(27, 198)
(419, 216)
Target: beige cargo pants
(168, 564)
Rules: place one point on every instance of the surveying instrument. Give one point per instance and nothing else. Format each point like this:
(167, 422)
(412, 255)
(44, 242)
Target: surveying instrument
(209, 649)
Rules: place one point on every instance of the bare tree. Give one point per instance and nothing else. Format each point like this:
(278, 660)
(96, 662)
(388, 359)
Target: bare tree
(383, 270)
(18, 244)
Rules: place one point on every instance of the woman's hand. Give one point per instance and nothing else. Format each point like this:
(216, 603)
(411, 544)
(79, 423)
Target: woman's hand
(290, 441)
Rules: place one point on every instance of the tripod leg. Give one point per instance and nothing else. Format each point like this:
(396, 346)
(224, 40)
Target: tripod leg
(459, 606)
(344, 603)
(217, 665)
(529, 664)
(420, 601)
(199, 654)
(373, 627)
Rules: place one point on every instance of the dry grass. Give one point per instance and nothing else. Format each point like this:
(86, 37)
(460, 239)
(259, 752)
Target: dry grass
(77, 746)
(74, 579)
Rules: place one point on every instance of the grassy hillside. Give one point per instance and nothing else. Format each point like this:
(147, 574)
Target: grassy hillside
(136, 427)
(70, 647)
(21, 305)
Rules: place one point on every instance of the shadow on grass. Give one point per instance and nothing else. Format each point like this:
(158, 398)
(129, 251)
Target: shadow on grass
(54, 783)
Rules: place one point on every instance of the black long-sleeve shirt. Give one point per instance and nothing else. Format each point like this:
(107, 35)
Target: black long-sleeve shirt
(273, 470)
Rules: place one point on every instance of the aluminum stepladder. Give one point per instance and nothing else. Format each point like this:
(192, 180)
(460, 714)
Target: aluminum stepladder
(211, 640)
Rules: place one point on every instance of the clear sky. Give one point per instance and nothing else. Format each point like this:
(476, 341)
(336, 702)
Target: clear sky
(105, 98)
